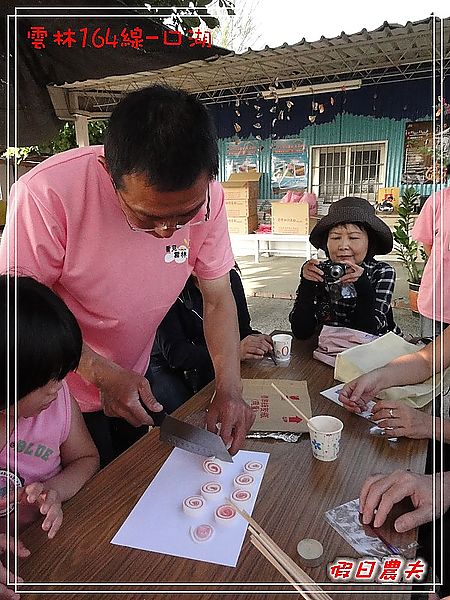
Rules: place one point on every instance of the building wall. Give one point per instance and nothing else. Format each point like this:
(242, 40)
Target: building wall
(345, 128)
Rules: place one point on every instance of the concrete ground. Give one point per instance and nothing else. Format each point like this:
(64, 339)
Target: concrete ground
(270, 287)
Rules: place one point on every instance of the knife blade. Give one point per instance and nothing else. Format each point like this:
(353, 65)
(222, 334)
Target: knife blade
(189, 437)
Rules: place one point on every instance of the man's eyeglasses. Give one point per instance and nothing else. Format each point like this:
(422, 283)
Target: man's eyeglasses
(167, 225)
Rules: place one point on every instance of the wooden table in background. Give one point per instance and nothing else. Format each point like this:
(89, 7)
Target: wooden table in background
(295, 493)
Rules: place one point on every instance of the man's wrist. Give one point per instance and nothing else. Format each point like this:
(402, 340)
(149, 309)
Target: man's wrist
(94, 368)
(229, 390)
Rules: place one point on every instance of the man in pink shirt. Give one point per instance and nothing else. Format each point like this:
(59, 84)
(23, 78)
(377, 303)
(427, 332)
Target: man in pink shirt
(432, 228)
(116, 231)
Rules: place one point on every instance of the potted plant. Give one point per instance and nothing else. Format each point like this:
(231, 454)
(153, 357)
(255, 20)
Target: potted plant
(406, 248)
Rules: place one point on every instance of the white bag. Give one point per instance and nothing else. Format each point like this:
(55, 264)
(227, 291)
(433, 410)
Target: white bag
(355, 361)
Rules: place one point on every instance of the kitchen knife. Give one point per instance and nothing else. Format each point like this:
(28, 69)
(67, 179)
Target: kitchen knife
(189, 437)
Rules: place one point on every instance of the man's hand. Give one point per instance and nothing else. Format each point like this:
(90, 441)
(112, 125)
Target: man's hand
(49, 505)
(122, 394)
(357, 393)
(235, 417)
(403, 420)
(380, 492)
(353, 273)
(311, 271)
(256, 346)
(7, 544)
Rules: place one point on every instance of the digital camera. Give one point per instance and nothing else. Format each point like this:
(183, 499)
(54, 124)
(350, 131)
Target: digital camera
(332, 271)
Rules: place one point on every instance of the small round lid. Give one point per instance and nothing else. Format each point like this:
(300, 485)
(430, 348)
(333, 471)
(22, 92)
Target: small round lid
(310, 550)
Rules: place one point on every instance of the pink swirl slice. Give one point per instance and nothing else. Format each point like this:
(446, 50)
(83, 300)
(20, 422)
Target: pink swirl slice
(212, 467)
(225, 512)
(212, 488)
(193, 505)
(241, 496)
(244, 480)
(202, 533)
(253, 466)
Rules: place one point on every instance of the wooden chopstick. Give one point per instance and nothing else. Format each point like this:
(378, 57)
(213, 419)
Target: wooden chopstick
(297, 575)
(297, 410)
(287, 563)
(260, 546)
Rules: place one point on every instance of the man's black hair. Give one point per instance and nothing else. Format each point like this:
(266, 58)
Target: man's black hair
(163, 133)
(49, 338)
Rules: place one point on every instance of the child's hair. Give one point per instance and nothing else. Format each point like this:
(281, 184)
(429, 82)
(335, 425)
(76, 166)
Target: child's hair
(49, 339)
(363, 227)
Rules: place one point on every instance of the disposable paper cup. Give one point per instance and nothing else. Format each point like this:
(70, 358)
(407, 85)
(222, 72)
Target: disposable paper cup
(282, 346)
(325, 433)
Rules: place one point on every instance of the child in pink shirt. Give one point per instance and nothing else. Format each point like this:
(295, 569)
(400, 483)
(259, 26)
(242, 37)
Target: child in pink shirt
(45, 428)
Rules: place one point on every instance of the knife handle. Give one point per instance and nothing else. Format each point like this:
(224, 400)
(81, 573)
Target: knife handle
(158, 417)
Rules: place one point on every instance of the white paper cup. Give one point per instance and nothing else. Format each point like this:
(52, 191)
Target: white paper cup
(325, 433)
(282, 346)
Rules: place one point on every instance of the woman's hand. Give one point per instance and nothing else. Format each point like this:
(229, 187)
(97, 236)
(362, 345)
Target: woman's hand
(403, 421)
(353, 273)
(311, 271)
(357, 393)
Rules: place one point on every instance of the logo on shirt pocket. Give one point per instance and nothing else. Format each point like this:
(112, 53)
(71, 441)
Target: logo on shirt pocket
(178, 254)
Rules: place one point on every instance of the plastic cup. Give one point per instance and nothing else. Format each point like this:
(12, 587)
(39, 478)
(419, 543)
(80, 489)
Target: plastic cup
(282, 346)
(325, 433)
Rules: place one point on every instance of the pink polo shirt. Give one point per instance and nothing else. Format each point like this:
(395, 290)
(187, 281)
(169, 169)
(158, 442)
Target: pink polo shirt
(73, 236)
(435, 232)
(39, 440)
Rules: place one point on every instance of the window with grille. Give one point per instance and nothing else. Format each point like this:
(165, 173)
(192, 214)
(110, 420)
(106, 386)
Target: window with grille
(348, 170)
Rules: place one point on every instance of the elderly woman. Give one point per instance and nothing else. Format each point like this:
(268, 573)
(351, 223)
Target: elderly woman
(351, 289)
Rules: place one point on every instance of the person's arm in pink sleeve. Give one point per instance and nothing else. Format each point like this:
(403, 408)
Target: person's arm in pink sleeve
(34, 240)
(423, 227)
(215, 257)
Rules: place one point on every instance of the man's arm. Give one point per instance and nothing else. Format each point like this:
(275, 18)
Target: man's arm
(222, 338)
(121, 391)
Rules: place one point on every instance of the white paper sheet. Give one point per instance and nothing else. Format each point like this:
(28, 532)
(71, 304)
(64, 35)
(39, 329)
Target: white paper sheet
(333, 395)
(158, 523)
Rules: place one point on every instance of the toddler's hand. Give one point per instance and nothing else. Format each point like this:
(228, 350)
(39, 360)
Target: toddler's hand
(49, 505)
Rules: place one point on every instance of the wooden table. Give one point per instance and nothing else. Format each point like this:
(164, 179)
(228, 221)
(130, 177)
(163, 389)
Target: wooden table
(295, 493)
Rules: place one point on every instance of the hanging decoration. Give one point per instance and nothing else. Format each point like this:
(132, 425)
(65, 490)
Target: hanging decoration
(258, 115)
(237, 127)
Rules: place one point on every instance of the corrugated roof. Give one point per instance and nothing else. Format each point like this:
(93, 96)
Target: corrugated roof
(389, 53)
